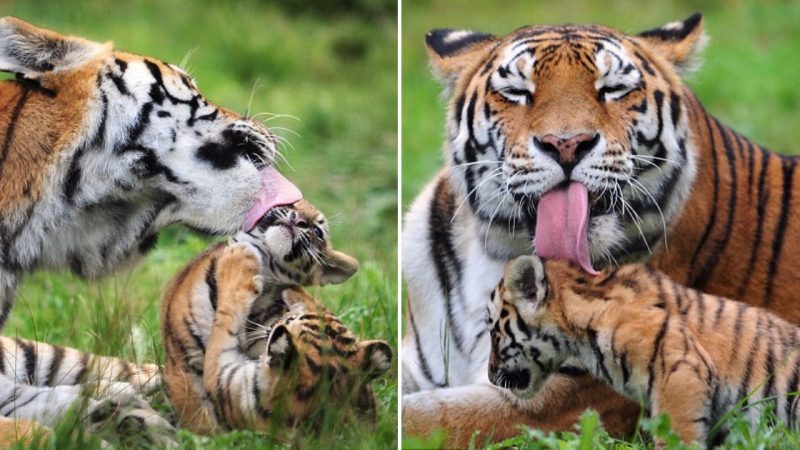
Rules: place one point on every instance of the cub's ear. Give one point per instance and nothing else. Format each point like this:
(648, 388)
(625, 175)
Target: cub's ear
(681, 43)
(33, 51)
(452, 51)
(280, 348)
(377, 358)
(525, 278)
(337, 267)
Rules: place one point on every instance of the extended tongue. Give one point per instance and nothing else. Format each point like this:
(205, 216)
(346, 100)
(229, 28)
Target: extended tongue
(561, 223)
(275, 191)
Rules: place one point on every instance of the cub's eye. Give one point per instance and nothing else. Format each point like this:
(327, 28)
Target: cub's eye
(318, 231)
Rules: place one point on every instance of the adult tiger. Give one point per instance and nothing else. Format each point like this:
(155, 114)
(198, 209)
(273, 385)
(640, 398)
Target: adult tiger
(99, 149)
(593, 130)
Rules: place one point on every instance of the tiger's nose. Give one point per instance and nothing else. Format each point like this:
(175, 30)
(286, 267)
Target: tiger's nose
(567, 151)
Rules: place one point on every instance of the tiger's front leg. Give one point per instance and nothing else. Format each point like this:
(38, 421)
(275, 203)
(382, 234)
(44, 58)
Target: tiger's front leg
(43, 364)
(496, 414)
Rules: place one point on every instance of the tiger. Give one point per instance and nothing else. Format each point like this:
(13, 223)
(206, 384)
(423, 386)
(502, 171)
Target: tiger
(578, 142)
(236, 320)
(693, 356)
(100, 149)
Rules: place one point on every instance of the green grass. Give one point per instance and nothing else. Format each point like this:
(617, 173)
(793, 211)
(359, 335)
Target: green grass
(337, 75)
(748, 80)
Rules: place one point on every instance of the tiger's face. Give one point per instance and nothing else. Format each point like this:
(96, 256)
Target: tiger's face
(575, 130)
(168, 138)
(295, 243)
(317, 364)
(139, 145)
(527, 344)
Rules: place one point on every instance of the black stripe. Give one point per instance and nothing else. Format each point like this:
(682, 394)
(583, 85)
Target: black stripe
(30, 359)
(73, 177)
(712, 220)
(780, 230)
(12, 125)
(55, 364)
(211, 282)
(448, 266)
(763, 197)
(705, 272)
(598, 354)
(656, 346)
(423, 362)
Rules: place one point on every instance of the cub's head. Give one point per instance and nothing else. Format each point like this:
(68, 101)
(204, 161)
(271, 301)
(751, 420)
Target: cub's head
(527, 344)
(596, 117)
(132, 133)
(297, 248)
(319, 365)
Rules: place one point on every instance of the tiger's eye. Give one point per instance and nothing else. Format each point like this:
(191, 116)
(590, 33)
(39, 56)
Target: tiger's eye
(318, 231)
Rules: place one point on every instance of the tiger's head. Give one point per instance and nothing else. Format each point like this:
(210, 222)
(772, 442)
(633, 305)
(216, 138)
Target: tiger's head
(577, 135)
(527, 342)
(319, 365)
(296, 246)
(103, 139)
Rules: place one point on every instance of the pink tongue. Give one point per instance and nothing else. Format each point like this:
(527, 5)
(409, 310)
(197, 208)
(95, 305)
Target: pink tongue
(276, 191)
(562, 219)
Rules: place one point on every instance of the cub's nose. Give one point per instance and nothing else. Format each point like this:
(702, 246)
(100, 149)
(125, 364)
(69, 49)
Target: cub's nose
(297, 220)
(567, 151)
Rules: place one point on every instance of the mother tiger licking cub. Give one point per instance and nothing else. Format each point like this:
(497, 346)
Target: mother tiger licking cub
(99, 149)
(580, 143)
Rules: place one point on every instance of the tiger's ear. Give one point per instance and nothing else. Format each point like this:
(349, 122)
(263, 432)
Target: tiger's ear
(337, 267)
(377, 358)
(525, 278)
(681, 43)
(33, 51)
(280, 348)
(452, 51)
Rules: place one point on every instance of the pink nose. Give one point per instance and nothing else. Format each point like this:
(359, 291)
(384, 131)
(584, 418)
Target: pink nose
(568, 150)
(297, 220)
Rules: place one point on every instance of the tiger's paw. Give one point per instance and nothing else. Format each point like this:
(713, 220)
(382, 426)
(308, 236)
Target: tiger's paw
(239, 276)
(147, 378)
(134, 424)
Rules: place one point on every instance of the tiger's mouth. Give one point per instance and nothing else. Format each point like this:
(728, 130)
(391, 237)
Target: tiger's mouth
(276, 190)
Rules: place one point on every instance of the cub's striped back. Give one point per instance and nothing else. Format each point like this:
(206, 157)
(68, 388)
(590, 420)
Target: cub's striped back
(686, 354)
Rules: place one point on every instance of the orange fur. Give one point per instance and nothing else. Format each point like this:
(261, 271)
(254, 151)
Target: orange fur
(734, 231)
(689, 355)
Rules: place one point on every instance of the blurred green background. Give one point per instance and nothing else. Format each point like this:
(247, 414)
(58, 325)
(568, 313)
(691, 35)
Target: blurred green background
(749, 78)
(330, 64)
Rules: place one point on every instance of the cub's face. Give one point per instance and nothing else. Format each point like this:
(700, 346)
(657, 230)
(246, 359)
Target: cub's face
(551, 106)
(527, 345)
(318, 365)
(140, 133)
(296, 245)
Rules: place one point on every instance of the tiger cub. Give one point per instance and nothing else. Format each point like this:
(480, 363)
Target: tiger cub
(682, 353)
(239, 331)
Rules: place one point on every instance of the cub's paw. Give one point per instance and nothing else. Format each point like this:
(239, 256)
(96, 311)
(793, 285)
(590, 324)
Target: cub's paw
(239, 271)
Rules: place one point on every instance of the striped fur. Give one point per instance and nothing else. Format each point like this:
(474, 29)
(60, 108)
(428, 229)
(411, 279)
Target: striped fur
(668, 183)
(690, 355)
(99, 149)
(221, 330)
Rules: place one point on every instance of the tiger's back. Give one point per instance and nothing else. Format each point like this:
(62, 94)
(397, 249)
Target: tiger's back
(687, 354)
